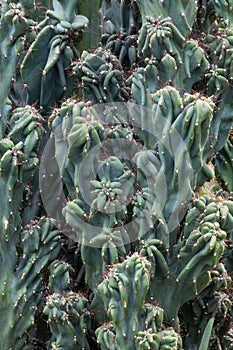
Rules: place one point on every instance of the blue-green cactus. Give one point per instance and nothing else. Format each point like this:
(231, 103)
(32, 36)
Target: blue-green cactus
(134, 323)
(49, 56)
(186, 273)
(224, 163)
(97, 220)
(152, 126)
(60, 277)
(183, 12)
(69, 320)
(22, 279)
(225, 10)
(159, 36)
(33, 9)
(101, 76)
(213, 301)
(219, 49)
(120, 24)
(13, 27)
(92, 33)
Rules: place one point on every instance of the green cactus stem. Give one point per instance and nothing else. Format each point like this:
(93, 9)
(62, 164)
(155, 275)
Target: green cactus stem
(49, 56)
(134, 324)
(183, 12)
(69, 320)
(22, 279)
(13, 27)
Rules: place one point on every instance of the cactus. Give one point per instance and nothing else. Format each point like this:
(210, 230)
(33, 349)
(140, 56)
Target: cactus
(188, 276)
(101, 77)
(91, 36)
(13, 26)
(32, 9)
(108, 208)
(183, 12)
(69, 320)
(49, 56)
(224, 162)
(213, 301)
(128, 145)
(25, 252)
(224, 10)
(98, 213)
(120, 24)
(22, 280)
(133, 323)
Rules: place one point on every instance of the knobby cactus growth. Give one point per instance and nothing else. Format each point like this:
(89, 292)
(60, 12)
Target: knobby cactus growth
(116, 168)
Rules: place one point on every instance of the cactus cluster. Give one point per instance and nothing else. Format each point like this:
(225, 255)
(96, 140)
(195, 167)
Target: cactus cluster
(116, 174)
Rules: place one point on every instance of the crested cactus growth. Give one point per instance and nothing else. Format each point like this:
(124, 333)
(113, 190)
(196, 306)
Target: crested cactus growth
(128, 145)
(22, 279)
(133, 323)
(120, 24)
(26, 125)
(69, 320)
(49, 56)
(19, 160)
(183, 12)
(101, 77)
(224, 10)
(25, 253)
(69, 315)
(184, 275)
(185, 271)
(159, 37)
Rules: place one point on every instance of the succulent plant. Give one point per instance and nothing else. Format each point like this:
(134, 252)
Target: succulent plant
(116, 202)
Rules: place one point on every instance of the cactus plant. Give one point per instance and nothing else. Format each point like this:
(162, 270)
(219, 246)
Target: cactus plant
(69, 320)
(134, 324)
(128, 145)
(224, 162)
(214, 301)
(120, 24)
(13, 27)
(49, 56)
